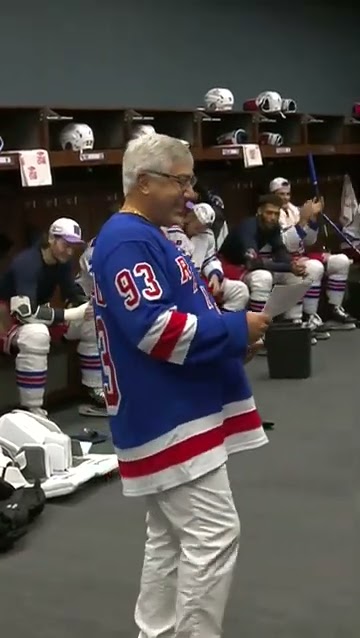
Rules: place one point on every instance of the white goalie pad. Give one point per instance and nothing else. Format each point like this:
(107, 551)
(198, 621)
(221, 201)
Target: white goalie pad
(33, 447)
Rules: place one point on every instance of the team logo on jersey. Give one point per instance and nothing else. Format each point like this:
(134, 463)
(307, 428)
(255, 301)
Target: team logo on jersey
(186, 272)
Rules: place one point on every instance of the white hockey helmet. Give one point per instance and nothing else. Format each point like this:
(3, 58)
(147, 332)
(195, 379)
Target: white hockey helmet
(219, 100)
(272, 139)
(289, 106)
(269, 102)
(77, 137)
(141, 130)
(205, 213)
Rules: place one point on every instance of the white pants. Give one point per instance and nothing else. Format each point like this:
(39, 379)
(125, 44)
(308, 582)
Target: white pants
(315, 271)
(337, 272)
(33, 343)
(235, 295)
(336, 269)
(192, 543)
(260, 283)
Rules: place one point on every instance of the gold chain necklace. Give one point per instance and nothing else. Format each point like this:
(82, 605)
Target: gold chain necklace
(134, 211)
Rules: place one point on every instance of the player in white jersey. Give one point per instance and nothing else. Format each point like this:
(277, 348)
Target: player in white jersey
(85, 281)
(300, 231)
(197, 240)
(84, 277)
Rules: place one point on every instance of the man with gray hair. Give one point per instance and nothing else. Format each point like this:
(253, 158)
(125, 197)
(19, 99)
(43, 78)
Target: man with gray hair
(177, 395)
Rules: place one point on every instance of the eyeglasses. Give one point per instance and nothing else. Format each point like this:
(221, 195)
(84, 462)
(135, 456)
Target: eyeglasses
(184, 181)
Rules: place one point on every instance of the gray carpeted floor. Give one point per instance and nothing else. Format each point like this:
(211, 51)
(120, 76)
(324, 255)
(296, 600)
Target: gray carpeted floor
(77, 572)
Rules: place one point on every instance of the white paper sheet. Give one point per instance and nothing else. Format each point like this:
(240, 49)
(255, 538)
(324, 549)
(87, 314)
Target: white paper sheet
(85, 447)
(283, 298)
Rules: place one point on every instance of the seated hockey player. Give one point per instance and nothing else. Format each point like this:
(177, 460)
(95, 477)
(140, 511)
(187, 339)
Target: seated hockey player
(196, 239)
(300, 232)
(28, 322)
(256, 247)
(84, 280)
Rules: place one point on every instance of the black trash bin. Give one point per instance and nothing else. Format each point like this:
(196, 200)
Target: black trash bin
(288, 351)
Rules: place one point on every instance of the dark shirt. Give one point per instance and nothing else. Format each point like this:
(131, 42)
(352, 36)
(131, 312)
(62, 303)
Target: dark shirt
(28, 275)
(243, 244)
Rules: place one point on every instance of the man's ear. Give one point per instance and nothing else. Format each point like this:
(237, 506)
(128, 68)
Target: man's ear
(143, 184)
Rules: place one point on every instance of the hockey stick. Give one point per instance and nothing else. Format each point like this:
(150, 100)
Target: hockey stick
(325, 217)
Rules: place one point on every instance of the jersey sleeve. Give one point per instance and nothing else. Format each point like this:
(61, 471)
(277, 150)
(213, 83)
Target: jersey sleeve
(246, 237)
(240, 242)
(25, 278)
(138, 296)
(247, 242)
(280, 254)
(211, 264)
(178, 237)
(312, 231)
(295, 236)
(292, 233)
(85, 259)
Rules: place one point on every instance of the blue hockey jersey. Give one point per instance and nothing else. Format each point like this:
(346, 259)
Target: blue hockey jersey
(176, 390)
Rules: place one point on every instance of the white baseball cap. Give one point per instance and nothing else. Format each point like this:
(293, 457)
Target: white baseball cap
(278, 183)
(68, 229)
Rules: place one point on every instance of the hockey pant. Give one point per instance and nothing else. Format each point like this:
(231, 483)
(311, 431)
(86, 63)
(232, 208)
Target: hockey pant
(260, 283)
(336, 268)
(33, 345)
(351, 252)
(192, 543)
(235, 295)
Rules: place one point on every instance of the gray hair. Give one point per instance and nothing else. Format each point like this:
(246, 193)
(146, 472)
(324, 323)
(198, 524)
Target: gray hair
(153, 152)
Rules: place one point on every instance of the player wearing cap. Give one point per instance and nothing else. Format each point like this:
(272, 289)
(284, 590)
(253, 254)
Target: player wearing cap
(27, 321)
(300, 229)
(196, 239)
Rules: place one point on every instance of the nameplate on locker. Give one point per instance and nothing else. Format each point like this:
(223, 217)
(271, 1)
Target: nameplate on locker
(230, 152)
(92, 157)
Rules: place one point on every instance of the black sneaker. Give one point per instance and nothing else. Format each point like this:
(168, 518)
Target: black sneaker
(339, 319)
(96, 405)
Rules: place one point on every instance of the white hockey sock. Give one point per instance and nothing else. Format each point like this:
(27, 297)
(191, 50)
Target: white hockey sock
(295, 313)
(90, 365)
(256, 305)
(311, 299)
(31, 378)
(335, 289)
(337, 273)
